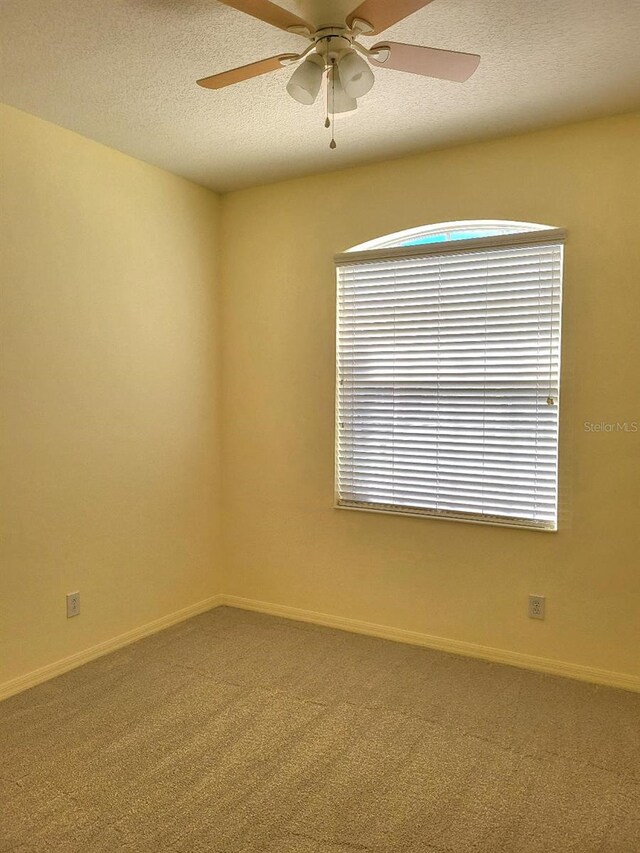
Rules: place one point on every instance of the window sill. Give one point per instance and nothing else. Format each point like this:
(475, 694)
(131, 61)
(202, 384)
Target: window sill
(492, 521)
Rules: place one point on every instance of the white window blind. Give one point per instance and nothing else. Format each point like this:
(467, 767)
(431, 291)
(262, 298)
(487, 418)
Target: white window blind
(447, 379)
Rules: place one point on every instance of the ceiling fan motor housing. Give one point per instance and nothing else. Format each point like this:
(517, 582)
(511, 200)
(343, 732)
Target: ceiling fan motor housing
(331, 43)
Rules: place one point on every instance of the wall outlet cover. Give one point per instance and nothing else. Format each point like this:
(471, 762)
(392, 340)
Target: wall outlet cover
(536, 606)
(73, 604)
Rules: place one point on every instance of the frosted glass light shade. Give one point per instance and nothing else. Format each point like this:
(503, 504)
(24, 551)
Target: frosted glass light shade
(306, 80)
(337, 99)
(355, 74)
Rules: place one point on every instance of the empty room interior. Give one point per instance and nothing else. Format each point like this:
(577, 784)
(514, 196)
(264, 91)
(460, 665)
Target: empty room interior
(320, 426)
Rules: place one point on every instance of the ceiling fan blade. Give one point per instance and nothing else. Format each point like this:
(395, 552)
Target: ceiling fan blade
(245, 72)
(382, 14)
(270, 13)
(428, 61)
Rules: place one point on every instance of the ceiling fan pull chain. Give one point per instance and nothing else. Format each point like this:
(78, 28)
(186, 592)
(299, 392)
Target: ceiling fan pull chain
(327, 121)
(332, 144)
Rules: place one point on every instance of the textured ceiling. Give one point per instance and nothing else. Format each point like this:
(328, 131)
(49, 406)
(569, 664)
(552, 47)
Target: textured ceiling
(123, 72)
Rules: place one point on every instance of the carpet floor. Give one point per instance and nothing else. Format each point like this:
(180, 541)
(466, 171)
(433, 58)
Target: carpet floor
(237, 733)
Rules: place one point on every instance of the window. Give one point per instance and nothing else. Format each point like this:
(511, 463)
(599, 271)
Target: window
(448, 351)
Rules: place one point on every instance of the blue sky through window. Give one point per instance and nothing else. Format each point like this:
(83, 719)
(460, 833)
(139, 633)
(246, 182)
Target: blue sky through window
(444, 232)
(454, 235)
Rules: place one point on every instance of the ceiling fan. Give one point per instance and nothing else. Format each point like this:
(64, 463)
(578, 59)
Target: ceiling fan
(335, 57)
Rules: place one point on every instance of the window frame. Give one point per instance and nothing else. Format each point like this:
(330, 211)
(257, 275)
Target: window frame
(387, 248)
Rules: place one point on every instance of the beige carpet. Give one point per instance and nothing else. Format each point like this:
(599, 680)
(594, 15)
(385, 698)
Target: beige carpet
(236, 733)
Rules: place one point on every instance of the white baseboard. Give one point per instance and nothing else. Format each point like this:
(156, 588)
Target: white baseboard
(51, 670)
(458, 647)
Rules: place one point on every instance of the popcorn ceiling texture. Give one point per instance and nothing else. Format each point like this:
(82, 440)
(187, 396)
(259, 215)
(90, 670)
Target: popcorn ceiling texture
(123, 72)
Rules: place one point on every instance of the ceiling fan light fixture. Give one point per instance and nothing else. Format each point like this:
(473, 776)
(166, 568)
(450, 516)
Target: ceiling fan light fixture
(338, 100)
(306, 80)
(355, 74)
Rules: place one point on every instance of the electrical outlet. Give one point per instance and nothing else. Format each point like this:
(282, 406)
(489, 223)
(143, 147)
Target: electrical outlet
(536, 606)
(73, 604)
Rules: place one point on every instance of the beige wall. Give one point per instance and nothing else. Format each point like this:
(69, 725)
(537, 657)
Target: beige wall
(109, 400)
(129, 372)
(287, 545)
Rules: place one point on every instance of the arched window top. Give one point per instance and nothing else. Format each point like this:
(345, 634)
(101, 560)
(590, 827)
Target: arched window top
(444, 232)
